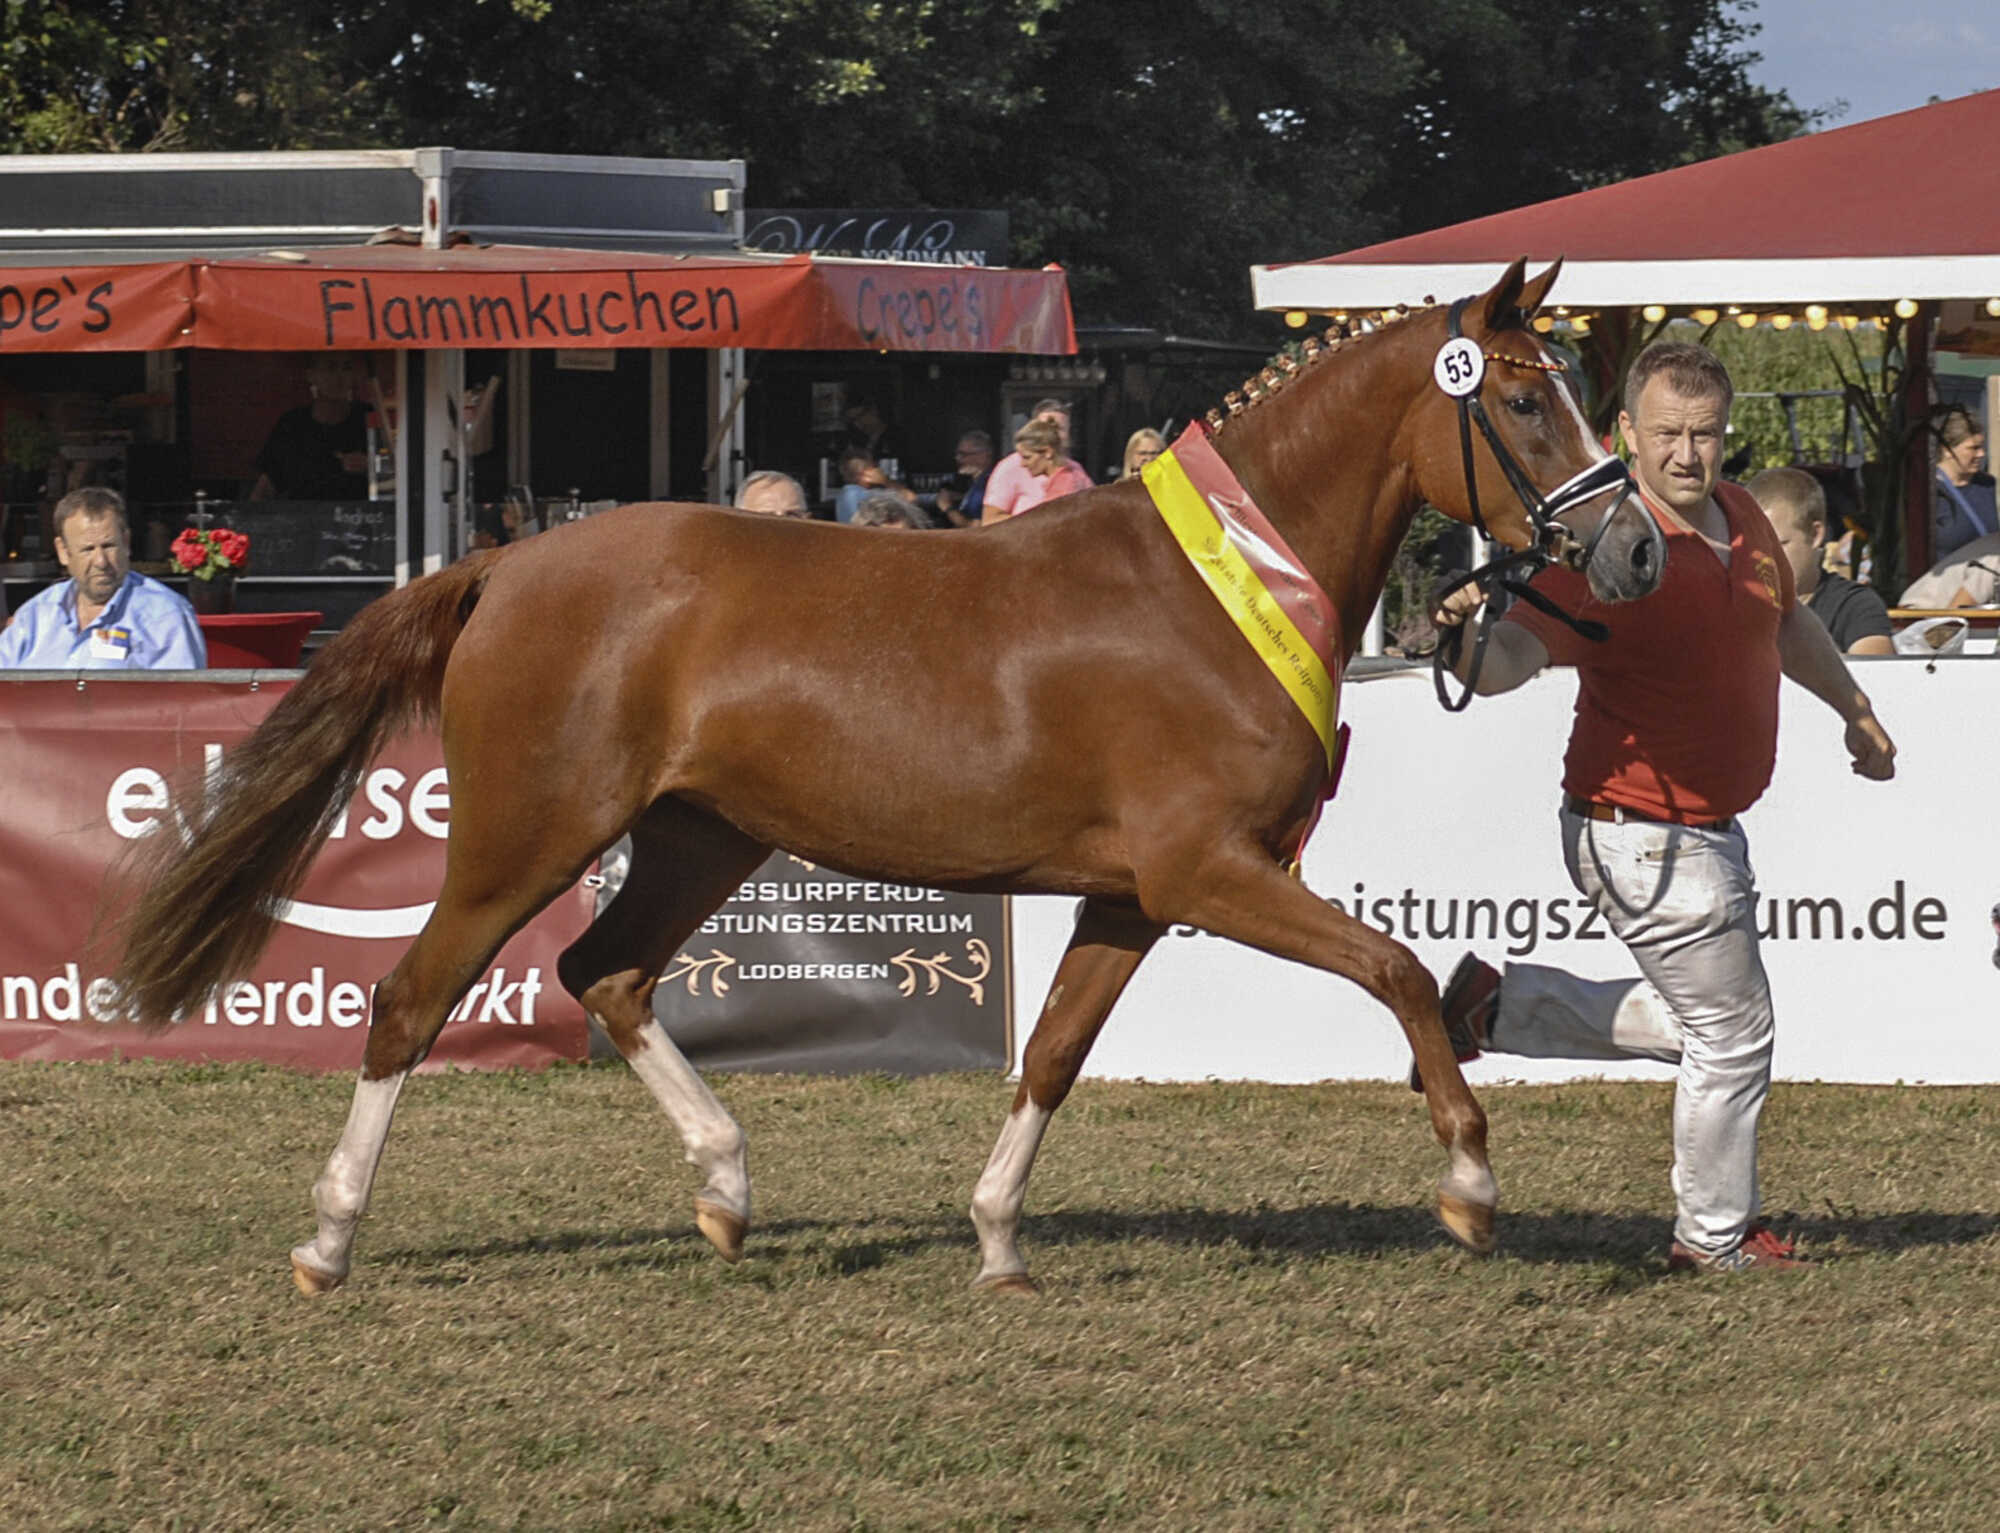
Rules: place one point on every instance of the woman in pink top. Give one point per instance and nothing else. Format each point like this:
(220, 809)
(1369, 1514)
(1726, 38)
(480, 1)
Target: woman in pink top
(1034, 472)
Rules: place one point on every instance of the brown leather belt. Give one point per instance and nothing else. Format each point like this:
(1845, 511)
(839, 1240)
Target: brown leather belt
(1611, 814)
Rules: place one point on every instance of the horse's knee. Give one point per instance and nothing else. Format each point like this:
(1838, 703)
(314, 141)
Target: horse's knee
(1400, 981)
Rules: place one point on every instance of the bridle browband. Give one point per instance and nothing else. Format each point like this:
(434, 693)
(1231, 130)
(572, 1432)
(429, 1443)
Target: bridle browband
(1553, 542)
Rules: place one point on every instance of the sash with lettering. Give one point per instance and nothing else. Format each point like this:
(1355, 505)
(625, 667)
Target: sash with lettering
(1263, 586)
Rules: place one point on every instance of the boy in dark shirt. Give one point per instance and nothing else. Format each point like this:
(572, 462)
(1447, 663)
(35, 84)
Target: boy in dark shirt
(1857, 618)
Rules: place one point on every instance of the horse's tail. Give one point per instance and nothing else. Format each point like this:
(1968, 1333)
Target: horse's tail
(209, 898)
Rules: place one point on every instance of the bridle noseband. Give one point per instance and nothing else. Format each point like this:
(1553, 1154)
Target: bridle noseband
(1554, 543)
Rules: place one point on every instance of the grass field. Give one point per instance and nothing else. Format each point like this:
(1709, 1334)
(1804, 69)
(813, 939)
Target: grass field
(1248, 1318)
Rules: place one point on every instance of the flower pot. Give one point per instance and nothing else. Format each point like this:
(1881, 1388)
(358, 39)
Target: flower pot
(213, 595)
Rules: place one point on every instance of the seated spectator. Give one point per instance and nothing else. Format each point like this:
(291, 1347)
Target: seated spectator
(1036, 471)
(773, 493)
(859, 475)
(1968, 577)
(1853, 614)
(886, 509)
(1964, 509)
(104, 617)
(974, 457)
(1141, 448)
(1057, 412)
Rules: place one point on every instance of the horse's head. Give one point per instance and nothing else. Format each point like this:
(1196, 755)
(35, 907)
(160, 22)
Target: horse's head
(1498, 440)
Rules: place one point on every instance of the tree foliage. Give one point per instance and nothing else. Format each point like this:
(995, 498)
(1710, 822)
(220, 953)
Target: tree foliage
(1157, 154)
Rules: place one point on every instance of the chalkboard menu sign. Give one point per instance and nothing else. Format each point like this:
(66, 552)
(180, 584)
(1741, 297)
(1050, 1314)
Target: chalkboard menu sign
(318, 537)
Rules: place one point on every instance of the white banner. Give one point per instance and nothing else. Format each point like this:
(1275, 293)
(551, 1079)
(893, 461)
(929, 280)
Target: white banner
(1874, 898)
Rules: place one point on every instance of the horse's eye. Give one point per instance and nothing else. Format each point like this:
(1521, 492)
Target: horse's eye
(1524, 404)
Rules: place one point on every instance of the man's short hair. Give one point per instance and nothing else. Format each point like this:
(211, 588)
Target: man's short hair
(1793, 491)
(983, 440)
(1039, 433)
(1692, 370)
(93, 500)
(770, 476)
(1061, 406)
(884, 510)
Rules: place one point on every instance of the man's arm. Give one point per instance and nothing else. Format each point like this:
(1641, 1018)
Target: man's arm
(1512, 653)
(1807, 655)
(1873, 644)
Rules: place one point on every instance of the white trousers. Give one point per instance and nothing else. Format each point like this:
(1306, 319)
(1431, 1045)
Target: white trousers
(1683, 901)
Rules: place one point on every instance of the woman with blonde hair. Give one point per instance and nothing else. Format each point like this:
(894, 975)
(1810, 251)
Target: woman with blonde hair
(1035, 471)
(1141, 448)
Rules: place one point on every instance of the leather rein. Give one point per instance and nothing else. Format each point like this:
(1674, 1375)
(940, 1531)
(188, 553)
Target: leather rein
(1553, 543)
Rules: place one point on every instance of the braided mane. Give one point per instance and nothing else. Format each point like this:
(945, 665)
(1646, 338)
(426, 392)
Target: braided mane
(1344, 331)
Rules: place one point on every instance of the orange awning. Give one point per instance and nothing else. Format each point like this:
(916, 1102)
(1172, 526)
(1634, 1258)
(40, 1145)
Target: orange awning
(374, 297)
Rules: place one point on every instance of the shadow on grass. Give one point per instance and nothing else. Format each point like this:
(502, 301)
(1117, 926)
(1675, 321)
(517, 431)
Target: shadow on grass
(1634, 1242)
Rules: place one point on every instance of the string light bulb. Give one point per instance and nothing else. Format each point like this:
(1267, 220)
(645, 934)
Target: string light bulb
(1705, 316)
(1746, 321)
(1816, 315)
(1781, 321)
(1906, 308)
(1993, 307)
(1579, 324)
(1654, 312)
(1544, 324)
(1849, 321)
(1295, 318)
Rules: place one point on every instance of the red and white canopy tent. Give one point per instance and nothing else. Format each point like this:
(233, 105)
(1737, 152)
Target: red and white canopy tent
(1901, 213)
(403, 297)
(1901, 207)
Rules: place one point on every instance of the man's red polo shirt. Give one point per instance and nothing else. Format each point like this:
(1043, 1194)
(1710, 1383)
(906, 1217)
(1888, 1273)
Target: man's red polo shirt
(1677, 712)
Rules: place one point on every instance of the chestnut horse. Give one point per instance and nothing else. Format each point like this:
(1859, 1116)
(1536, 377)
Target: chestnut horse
(717, 683)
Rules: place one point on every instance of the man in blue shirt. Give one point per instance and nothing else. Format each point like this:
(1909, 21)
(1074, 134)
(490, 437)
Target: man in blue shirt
(104, 617)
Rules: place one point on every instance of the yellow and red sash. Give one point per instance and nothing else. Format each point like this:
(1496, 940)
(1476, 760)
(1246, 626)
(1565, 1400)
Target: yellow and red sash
(1262, 585)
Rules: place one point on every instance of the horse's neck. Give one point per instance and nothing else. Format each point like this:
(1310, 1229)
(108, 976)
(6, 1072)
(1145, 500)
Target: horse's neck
(1319, 459)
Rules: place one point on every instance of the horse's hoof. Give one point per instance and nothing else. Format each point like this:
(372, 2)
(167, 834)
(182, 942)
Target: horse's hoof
(724, 1227)
(1017, 1283)
(311, 1281)
(1468, 1223)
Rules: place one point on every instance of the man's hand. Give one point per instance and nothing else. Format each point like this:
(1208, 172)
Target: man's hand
(1459, 606)
(1873, 751)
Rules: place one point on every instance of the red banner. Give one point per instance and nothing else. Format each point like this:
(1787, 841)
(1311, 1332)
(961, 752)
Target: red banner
(90, 768)
(377, 297)
(96, 308)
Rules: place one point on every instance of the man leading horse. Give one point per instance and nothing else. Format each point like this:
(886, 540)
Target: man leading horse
(1676, 734)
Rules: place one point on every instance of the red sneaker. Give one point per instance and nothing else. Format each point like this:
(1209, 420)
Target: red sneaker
(1470, 1001)
(1759, 1249)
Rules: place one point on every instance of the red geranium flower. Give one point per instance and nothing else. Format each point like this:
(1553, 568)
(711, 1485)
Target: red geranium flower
(205, 552)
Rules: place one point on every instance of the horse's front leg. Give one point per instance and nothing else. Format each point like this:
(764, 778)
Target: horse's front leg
(1243, 895)
(1103, 952)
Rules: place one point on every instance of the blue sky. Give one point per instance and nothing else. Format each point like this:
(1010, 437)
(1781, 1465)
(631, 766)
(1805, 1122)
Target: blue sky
(1880, 56)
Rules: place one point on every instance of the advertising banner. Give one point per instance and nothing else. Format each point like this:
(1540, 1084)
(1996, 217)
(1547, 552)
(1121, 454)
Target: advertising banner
(385, 297)
(91, 767)
(96, 308)
(809, 970)
(1874, 902)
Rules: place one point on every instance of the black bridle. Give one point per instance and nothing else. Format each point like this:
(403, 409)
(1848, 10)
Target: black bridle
(1554, 543)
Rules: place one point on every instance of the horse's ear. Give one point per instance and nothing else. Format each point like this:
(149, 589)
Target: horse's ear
(1537, 288)
(1503, 300)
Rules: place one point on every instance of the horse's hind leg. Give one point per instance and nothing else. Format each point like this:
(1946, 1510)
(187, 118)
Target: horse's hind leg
(1241, 894)
(483, 902)
(685, 862)
(1103, 953)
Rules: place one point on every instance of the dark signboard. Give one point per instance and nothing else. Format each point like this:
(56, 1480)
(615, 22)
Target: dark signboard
(948, 236)
(315, 537)
(805, 969)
